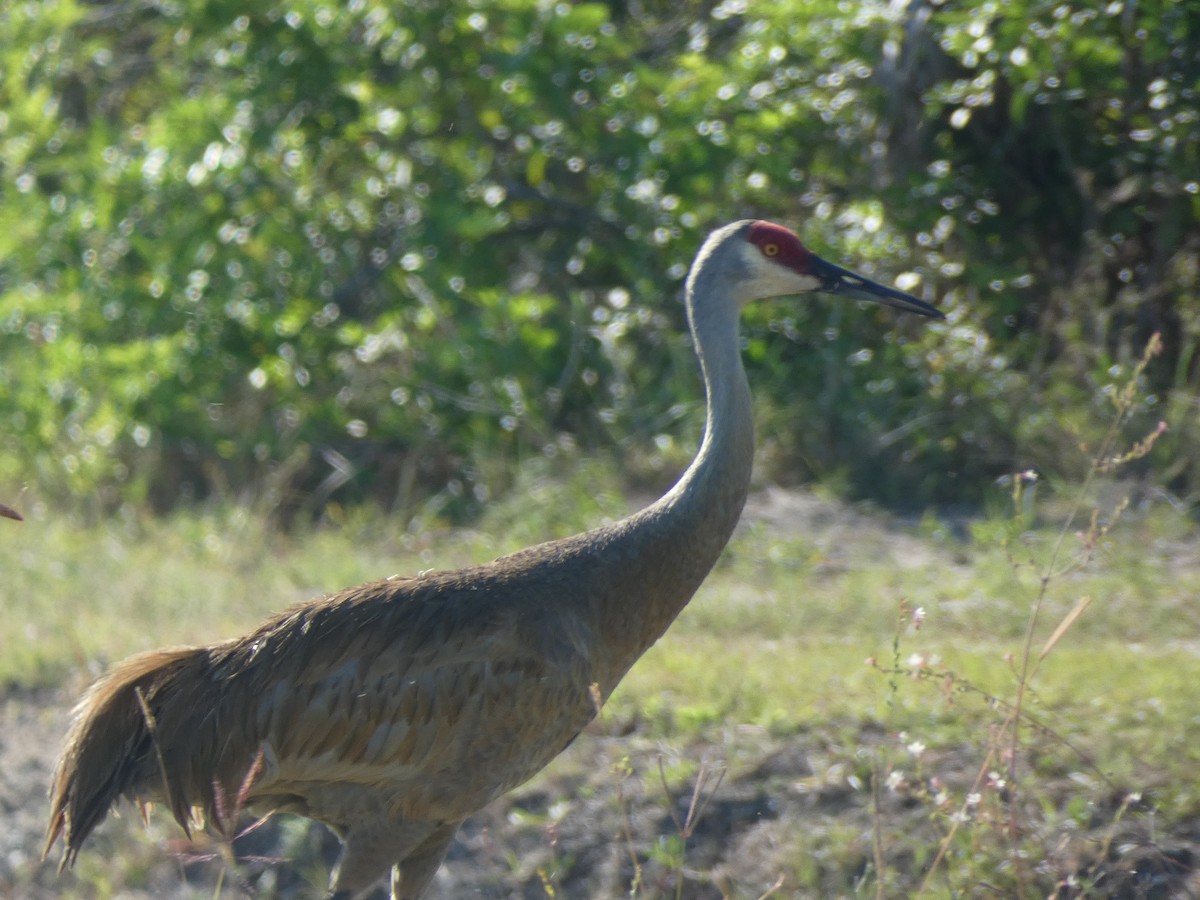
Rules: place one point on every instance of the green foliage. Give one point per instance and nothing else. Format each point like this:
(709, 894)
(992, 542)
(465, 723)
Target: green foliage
(297, 252)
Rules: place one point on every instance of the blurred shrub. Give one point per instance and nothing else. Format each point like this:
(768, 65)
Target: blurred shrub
(299, 252)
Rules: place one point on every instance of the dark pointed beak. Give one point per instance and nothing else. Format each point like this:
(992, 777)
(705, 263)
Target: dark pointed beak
(836, 280)
(10, 513)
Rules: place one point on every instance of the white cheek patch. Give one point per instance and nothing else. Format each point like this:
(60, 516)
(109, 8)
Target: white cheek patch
(775, 277)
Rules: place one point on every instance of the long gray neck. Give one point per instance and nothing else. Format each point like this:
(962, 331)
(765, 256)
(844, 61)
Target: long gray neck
(719, 476)
(660, 555)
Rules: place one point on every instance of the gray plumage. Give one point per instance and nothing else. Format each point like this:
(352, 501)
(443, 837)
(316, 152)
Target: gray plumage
(393, 710)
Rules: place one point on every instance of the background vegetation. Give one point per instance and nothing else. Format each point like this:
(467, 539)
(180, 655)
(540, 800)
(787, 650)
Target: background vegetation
(267, 263)
(302, 252)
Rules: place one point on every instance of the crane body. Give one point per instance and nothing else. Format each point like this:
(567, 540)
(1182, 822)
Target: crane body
(393, 710)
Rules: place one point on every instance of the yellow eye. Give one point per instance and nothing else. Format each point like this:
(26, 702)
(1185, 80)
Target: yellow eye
(770, 249)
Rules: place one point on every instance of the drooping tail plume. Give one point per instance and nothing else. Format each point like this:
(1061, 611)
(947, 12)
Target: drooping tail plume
(113, 748)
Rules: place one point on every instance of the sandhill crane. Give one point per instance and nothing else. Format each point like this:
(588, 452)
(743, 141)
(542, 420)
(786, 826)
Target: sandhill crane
(393, 710)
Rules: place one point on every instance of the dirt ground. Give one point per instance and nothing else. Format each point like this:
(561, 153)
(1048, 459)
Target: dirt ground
(786, 811)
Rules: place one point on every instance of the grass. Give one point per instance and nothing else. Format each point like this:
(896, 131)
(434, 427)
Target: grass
(771, 639)
(777, 643)
(807, 634)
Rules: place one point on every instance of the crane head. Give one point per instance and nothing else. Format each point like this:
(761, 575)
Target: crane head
(781, 264)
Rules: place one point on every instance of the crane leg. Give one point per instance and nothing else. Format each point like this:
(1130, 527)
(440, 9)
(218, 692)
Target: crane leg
(370, 849)
(412, 875)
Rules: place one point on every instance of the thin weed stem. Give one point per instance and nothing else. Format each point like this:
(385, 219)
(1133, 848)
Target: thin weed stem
(1005, 745)
(1102, 461)
(696, 806)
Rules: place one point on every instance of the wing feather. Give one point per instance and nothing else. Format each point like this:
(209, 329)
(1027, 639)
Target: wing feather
(402, 685)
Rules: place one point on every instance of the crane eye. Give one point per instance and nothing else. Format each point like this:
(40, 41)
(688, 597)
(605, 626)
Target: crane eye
(770, 249)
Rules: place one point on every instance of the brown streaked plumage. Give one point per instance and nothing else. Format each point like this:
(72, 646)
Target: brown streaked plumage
(393, 710)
